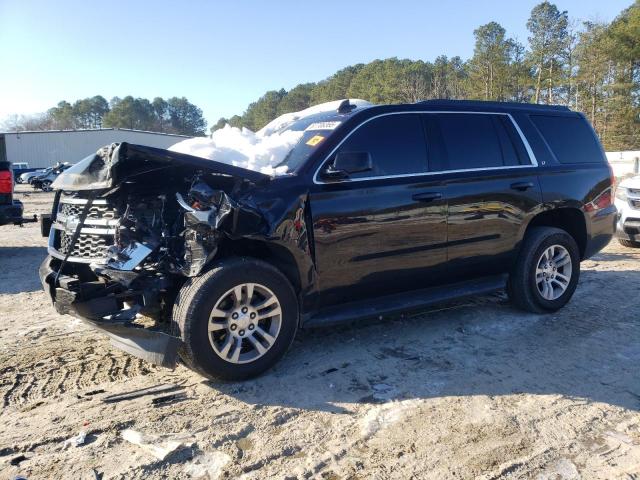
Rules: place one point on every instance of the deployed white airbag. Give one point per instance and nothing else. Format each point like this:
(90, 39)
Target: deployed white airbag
(260, 151)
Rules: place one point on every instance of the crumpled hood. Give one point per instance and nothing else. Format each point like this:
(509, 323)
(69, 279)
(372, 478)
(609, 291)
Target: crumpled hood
(118, 162)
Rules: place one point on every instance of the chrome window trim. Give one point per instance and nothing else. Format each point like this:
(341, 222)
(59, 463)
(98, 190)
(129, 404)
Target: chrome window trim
(532, 158)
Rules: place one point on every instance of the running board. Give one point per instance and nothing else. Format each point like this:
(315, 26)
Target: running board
(404, 302)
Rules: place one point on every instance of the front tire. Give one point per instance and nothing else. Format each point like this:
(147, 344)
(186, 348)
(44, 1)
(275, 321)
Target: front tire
(628, 243)
(236, 320)
(547, 271)
(46, 186)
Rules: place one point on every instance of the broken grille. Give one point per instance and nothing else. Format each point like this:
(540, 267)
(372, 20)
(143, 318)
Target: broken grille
(97, 233)
(87, 245)
(97, 212)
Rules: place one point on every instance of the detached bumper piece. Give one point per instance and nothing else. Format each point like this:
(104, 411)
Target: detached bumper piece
(92, 302)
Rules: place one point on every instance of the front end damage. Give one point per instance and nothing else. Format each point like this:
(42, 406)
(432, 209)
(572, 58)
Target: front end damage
(129, 226)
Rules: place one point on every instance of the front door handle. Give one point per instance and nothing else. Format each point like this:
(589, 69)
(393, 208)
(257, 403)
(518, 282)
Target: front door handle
(521, 186)
(427, 196)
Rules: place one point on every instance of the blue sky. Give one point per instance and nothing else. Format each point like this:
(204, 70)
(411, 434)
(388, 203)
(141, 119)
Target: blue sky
(222, 55)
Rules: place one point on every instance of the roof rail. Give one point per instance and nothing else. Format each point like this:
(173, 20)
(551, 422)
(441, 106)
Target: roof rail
(484, 103)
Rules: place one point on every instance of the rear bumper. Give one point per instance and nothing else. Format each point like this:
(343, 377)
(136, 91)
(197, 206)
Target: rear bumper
(86, 301)
(602, 228)
(11, 213)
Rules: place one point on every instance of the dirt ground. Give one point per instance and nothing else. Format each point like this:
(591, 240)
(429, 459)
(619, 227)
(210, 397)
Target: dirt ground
(474, 389)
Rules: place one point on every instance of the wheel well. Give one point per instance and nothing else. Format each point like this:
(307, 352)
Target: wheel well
(277, 256)
(571, 220)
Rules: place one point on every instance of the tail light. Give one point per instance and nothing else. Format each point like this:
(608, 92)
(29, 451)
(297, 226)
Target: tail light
(605, 199)
(6, 181)
(612, 178)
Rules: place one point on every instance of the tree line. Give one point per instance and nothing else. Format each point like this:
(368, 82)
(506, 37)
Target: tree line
(174, 115)
(590, 67)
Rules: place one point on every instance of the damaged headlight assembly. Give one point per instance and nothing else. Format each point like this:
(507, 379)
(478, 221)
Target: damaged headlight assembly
(203, 216)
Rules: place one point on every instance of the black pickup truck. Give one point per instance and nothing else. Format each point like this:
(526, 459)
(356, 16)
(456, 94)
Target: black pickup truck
(10, 208)
(383, 209)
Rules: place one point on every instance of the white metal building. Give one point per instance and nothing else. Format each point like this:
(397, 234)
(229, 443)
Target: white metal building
(46, 148)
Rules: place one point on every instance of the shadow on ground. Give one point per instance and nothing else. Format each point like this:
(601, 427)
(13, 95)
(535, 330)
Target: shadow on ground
(588, 350)
(19, 269)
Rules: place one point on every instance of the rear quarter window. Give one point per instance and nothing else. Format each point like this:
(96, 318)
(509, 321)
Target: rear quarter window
(571, 139)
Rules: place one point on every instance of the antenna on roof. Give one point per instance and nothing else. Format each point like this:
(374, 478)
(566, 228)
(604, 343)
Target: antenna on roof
(345, 106)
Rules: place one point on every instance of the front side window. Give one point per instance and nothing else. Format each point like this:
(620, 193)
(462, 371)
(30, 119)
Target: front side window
(396, 144)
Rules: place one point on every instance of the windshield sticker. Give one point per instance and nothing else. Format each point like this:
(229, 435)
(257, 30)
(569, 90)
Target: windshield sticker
(323, 126)
(315, 140)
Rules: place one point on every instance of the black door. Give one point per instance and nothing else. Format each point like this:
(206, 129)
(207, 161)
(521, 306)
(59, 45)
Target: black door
(381, 231)
(492, 187)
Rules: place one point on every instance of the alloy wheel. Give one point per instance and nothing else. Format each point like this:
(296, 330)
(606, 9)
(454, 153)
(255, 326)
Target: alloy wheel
(245, 323)
(553, 272)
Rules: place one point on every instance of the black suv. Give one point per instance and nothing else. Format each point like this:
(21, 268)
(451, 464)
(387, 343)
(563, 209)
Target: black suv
(383, 209)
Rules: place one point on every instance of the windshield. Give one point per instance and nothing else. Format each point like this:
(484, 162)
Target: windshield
(315, 131)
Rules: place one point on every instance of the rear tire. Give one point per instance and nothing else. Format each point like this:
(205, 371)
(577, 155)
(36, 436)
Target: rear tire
(547, 271)
(628, 243)
(264, 308)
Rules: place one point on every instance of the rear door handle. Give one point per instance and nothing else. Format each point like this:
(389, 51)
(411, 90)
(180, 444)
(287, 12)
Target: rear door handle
(521, 185)
(427, 196)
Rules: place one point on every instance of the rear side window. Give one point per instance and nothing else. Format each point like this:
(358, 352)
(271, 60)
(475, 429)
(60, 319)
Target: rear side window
(570, 138)
(513, 151)
(396, 144)
(479, 141)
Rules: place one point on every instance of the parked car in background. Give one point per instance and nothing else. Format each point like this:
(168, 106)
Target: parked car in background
(10, 208)
(628, 204)
(382, 209)
(18, 169)
(26, 177)
(44, 180)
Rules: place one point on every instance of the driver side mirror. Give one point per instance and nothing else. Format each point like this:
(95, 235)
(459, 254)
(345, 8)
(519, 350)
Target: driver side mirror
(347, 163)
